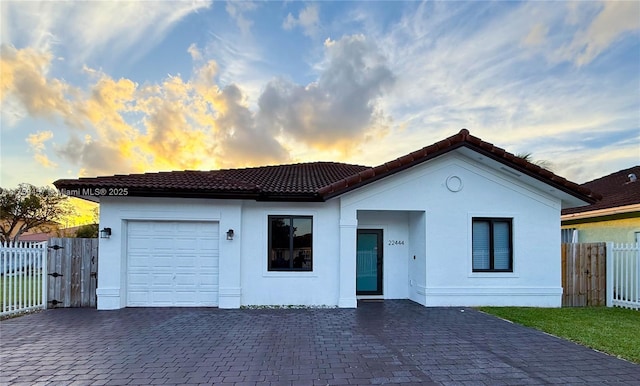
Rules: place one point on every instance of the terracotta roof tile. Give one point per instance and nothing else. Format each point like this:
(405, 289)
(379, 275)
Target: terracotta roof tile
(616, 190)
(462, 138)
(315, 181)
(259, 183)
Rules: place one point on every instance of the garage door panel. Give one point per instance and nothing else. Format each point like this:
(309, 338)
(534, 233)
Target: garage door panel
(209, 281)
(172, 264)
(138, 298)
(186, 279)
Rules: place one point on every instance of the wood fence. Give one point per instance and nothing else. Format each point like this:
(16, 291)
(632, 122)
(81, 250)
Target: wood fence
(584, 276)
(72, 272)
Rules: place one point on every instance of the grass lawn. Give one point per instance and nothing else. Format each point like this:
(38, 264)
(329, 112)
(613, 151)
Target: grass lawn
(29, 286)
(615, 331)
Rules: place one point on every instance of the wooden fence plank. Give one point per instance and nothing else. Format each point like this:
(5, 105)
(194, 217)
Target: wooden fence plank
(75, 261)
(583, 274)
(565, 296)
(577, 269)
(84, 268)
(93, 273)
(602, 279)
(66, 270)
(75, 295)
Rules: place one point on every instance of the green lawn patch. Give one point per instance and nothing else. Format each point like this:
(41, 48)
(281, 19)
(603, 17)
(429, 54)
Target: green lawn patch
(611, 330)
(20, 290)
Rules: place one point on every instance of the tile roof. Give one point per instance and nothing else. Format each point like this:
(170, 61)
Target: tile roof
(296, 181)
(317, 181)
(616, 191)
(461, 139)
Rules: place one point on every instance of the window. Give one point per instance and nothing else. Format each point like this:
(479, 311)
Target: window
(290, 241)
(568, 234)
(492, 245)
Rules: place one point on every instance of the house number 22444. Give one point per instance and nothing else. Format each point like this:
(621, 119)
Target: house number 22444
(396, 242)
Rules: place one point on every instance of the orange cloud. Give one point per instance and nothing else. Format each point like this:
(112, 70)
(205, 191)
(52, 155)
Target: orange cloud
(23, 77)
(36, 142)
(192, 123)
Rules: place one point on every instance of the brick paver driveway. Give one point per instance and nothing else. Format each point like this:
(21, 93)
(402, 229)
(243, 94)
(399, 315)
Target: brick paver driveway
(379, 343)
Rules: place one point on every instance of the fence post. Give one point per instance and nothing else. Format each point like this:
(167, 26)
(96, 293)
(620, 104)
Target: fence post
(45, 263)
(608, 253)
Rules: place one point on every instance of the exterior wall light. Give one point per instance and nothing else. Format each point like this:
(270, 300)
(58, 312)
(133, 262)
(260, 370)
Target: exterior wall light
(230, 234)
(105, 233)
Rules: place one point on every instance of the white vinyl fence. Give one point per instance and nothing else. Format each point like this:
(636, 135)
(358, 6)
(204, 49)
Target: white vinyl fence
(23, 277)
(623, 275)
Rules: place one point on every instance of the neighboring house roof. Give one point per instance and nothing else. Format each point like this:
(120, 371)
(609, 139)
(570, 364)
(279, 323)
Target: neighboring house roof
(316, 181)
(35, 237)
(44, 236)
(619, 195)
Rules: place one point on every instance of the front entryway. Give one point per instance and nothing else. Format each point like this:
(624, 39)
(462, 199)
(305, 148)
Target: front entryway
(369, 262)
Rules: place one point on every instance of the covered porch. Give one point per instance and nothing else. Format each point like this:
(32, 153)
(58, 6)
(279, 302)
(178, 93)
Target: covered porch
(387, 254)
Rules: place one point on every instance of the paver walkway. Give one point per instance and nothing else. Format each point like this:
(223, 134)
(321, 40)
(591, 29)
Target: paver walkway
(391, 342)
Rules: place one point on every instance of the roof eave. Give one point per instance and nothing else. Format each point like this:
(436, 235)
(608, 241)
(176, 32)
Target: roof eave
(524, 170)
(601, 212)
(181, 193)
(290, 197)
(479, 149)
(379, 176)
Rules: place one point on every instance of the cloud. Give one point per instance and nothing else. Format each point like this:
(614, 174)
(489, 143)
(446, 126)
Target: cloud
(240, 60)
(341, 106)
(537, 35)
(194, 52)
(174, 124)
(43, 160)
(94, 158)
(416, 80)
(483, 75)
(193, 123)
(616, 19)
(308, 19)
(26, 88)
(237, 12)
(242, 137)
(91, 28)
(36, 142)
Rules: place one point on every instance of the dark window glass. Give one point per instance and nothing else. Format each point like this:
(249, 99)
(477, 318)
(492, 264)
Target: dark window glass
(290, 241)
(492, 245)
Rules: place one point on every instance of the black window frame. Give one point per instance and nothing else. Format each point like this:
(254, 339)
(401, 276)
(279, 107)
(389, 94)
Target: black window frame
(492, 221)
(291, 267)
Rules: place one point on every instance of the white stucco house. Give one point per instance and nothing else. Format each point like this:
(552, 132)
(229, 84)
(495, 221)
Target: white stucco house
(458, 223)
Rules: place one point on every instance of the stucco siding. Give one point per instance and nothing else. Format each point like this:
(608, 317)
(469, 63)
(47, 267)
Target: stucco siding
(449, 279)
(425, 213)
(116, 212)
(617, 231)
(262, 287)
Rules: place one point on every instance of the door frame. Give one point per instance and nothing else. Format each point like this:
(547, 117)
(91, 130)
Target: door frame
(380, 266)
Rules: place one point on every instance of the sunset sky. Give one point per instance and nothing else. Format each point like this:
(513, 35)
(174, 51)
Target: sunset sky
(99, 88)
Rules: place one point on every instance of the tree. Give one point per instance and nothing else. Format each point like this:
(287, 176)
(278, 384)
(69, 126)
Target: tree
(28, 207)
(87, 231)
(90, 230)
(542, 163)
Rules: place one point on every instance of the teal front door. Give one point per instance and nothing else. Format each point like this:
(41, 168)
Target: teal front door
(369, 262)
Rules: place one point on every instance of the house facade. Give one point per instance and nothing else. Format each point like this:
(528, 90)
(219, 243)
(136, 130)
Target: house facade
(614, 218)
(458, 223)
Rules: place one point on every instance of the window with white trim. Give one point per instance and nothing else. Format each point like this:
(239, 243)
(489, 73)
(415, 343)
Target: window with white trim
(492, 245)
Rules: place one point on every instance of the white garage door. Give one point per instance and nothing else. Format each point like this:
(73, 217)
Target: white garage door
(172, 263)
